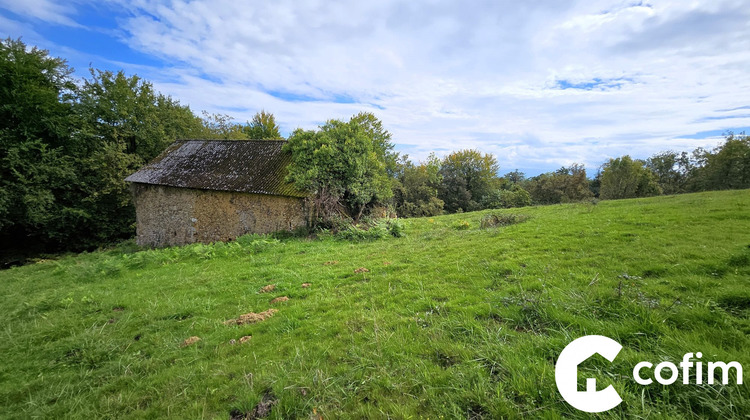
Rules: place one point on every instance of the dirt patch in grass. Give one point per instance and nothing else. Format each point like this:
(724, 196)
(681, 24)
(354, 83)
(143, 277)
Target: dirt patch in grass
(306, 285)
(361, 270)
(266, 289)
(190, 341)
(280, 299)
(331, 262)
(445, 360)
(252, 317)
(243, 339)
(260, 411)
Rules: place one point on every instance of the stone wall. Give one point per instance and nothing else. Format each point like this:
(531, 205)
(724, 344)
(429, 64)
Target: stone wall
(167, 216)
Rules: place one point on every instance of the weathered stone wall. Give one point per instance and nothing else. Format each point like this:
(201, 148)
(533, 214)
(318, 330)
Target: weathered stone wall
(167, 216)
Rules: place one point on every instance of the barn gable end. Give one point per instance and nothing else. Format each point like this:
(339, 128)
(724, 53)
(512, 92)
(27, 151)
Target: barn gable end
(214, 190)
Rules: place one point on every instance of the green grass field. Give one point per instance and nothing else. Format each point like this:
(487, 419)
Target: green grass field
(447, 323)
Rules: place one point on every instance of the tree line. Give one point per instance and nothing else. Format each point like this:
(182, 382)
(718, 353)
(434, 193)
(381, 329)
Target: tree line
(467, 180)
(67, 144)
(352, 166)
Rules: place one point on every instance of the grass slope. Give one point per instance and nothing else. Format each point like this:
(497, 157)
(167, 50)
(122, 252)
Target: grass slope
(447, 323)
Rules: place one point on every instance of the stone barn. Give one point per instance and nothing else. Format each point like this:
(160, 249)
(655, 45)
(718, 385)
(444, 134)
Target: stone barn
(214, 190)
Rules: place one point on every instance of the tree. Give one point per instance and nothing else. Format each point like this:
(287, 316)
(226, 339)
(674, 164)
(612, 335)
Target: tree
(381, 139)
(262, 127)
(627, 178)
(671, 170)
(127, 111)
(221, 127)
(416, 190)
(726, 167)
(567, 184)
(515, 177)
(468, 176)
(36, 120)
(124, 123)
(514, 196)
(341, 165)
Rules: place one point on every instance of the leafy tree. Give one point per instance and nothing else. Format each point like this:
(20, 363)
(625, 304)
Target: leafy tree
(515, 177)
(514, 196)
(36, 173)
(342, 165)
(468, 176)
(381, 139)
(124, 123)
(221, 127)
(627, 178)
(262, 127)
(726, 167)
(416, 190)
(567, 184)
(671, 169)
(544, 189)
(115, 108)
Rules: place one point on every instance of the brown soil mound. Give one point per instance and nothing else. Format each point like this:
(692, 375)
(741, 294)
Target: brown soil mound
(280, 299)
(306, 285)
(252, 317)
(190, 341)
(266, 289)
(361, 270)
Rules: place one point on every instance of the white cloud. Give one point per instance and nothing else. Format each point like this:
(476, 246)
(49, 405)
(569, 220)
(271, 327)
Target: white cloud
(491, 74)
(10, 27)
(44, 10)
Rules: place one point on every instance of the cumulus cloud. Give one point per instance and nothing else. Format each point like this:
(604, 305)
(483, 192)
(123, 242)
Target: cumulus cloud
(539, 84)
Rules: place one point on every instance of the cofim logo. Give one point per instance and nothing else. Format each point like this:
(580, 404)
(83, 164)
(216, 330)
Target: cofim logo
(665, 373)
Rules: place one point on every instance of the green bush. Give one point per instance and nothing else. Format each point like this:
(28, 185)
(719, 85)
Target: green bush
(396, 228)
(373, 229)
(495, 220)
(461, 225)
(513, 197)
(354, 232)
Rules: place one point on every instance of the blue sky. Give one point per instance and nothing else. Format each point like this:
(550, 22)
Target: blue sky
(539, 84)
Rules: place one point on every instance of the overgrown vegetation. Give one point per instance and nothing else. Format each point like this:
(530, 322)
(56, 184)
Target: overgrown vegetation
(343, 166)
(441, 323)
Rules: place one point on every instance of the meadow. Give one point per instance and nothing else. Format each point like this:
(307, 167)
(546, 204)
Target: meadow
(457, 319)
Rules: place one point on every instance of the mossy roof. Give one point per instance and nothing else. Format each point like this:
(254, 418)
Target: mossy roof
(250, 166)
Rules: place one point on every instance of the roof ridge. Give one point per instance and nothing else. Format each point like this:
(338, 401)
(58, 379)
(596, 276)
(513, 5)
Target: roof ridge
(229, 140)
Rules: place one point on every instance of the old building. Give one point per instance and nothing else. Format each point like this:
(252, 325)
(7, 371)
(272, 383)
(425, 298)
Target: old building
(214, 190)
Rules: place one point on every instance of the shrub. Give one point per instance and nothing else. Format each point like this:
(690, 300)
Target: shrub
(461, 225)
(374, 229)
(495, 220)
(513, 197)
(396, 228)
(354, 232)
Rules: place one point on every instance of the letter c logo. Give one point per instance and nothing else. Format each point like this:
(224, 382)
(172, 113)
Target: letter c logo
(566, 374)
